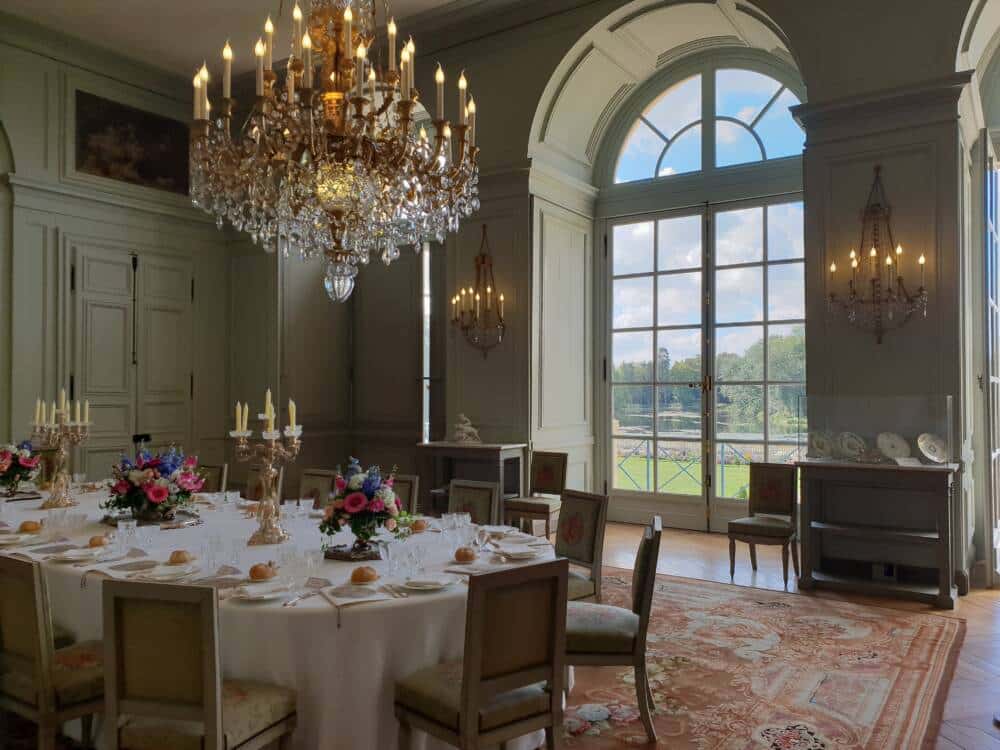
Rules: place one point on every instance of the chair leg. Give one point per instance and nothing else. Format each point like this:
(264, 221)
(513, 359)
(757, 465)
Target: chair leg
(753, 556)
(732, 557)
(649, 696)
(87, 730)
(642, 695)
(403, 736)
(795, 556)
(553, 738)
(784, 562)
(47, 737)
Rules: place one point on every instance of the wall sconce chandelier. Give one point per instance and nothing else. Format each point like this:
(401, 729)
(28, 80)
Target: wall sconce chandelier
(478, 311)
(877, 298)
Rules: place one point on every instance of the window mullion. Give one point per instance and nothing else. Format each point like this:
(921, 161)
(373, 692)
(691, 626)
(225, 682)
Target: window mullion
(708, 119)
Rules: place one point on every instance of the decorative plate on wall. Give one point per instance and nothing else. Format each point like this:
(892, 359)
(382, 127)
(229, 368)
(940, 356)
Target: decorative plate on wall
(851, 445)
(933, 447)
(820, 444)
(892, 445)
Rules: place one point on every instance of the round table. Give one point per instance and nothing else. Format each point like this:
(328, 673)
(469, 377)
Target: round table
(343, 668)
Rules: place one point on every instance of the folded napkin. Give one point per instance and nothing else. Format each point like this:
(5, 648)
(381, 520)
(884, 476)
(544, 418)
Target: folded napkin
(53, 549)
(132, 567)
(477, 568)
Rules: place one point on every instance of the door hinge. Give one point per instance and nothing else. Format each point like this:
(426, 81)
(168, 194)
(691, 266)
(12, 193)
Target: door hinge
(605, 486)
(605, 246)
(980, 379)
(192, 288)
(192, 385)
(605, 369)
(72, 278)
(135, 262)
(708, 481)
(72, 386)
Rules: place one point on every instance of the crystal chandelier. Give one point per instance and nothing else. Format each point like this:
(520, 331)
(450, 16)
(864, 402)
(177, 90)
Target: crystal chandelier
(877, 297)
(478, 310)
(333, 162)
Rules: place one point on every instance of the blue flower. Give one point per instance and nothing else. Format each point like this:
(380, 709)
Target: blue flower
(372, 483)
(353, 467)
(24, 446)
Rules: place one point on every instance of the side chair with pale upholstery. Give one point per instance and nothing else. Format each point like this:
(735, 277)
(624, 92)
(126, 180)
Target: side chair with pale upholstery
(600, 635)
(255, 484)
(773, 518)
(480, 499)
(316, 485)
(580, 539)
(407, 489)
(164, 690)
(216, 477)
(45, 685)
(511, 679)
(548, 477)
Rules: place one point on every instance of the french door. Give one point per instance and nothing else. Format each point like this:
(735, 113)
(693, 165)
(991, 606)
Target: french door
(707, 360)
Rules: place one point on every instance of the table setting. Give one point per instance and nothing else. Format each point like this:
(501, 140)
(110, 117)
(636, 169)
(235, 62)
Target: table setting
(338, 631)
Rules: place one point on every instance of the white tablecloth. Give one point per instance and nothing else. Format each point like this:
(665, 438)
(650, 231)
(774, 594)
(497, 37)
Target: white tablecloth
(344, 675)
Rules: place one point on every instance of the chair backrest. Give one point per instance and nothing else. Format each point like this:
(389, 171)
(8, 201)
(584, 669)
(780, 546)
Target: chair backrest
(161, 654)
(316, 485)
(580, 533)
(772, 489)
(504, 648)
(548, 473)
(216, 477)
(26, 628)
(406, 487)
(480, 499)
(644, 575)
(255, 483)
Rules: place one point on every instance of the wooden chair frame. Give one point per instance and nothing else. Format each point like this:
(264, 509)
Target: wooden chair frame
(46, 714)
(597, 564)
(752, 540)
(327, 474)
(518, 510)
(470, 484)
(477, 691)
(209, 713)
(642, 604)
(223, 474)
(411, 505)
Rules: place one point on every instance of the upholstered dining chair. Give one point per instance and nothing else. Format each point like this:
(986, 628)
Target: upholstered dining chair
(316, 485)
(407, 488)
(170, 695)
(216, 477)
(580, 539)
(511, 679)
(255, 484)
(600, 635)
(46, 685)
(480, 499)
(773, 518)
(548, 477)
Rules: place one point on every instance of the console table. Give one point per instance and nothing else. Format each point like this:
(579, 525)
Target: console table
(442, 461)
(855, 516)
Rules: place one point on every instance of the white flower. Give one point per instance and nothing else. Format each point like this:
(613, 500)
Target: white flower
(386, 495)
(136, 476)
(356, 482)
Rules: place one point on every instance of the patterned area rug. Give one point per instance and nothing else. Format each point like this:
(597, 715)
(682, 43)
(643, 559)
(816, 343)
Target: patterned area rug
(735, 667)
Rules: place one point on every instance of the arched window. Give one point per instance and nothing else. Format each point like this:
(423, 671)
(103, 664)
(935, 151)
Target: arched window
(747, 121)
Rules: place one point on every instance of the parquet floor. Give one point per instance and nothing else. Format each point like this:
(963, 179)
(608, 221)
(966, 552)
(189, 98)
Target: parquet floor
(975, 691)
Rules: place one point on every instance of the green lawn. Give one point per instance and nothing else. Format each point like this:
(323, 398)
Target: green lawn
(679, 477)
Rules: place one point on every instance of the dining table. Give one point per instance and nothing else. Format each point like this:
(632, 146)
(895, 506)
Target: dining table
(341, 659)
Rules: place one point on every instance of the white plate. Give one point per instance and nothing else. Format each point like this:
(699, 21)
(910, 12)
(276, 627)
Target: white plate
(933, 447)
(80, 554)
(851, 445)
(518, 554)
(430, 584)
(9, 540)
(254, 595)
(892, 445)
(278, 580)
(171, 572)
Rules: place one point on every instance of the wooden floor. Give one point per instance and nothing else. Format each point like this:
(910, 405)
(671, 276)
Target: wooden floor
(975, 691)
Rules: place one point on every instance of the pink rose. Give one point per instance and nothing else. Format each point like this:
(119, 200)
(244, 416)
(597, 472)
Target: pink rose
(340, 483)
(28, 462)
(190, 482)
(6, 457)
(121, 487)
(156, 493)
(389, 482)
(376, 505)
(390, 524)
(355, 502)
(190, 461)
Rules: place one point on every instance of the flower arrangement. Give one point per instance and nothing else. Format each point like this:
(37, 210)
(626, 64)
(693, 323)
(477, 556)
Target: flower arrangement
(18, 463)
(154, 486)
(364, 501)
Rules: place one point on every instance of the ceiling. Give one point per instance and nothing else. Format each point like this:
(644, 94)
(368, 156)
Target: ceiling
(177, 35)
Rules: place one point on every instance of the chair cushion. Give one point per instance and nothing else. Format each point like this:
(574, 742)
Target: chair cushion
(579, 586)
(533, 504)
(600, 629)
(77, 676)
(436, 692)
(248, 708)
(761, 526)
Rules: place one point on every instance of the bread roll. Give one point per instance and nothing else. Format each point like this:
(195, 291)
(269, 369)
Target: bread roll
(419, 525)
(98, 541)
(29, 527)
(180, 557)
(364, 574)
(262, 572)
(465, 554)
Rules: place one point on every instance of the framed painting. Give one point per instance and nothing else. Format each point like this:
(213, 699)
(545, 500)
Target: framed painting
(123, 143)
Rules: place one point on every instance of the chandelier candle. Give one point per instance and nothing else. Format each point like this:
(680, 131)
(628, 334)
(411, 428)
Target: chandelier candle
(325, 165)
(60, 433)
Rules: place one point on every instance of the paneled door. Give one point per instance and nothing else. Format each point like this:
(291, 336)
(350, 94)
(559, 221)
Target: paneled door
(707, 362)
(991, 285)
(132, 350)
